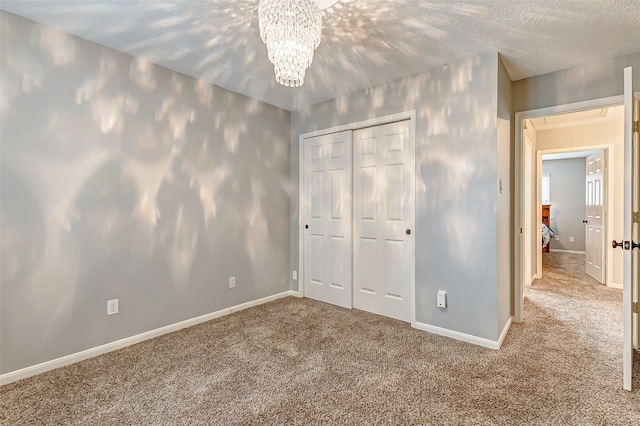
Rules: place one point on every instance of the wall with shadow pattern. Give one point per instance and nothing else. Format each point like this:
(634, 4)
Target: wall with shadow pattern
(456, 184)
(122, 179)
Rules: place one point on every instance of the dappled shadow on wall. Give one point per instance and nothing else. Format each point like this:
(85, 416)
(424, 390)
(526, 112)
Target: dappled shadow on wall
(114, 169)
(455, 154)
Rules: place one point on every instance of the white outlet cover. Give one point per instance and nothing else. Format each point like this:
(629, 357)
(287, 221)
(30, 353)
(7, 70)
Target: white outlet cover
(232, 282)
(295, 275)
(112, 307)
(442, 299)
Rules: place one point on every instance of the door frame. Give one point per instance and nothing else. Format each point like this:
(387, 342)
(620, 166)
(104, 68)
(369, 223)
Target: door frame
(520, 117)
(527, 235)
(387, 119)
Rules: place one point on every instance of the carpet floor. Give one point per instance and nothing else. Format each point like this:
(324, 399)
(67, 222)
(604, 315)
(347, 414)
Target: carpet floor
(298, 361)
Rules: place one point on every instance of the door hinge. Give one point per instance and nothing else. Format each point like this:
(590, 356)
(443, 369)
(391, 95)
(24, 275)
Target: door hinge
(636, 127)
(635, 217)
(635, 307)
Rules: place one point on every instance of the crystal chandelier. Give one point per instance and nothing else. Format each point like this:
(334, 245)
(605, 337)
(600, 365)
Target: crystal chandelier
(291, 30)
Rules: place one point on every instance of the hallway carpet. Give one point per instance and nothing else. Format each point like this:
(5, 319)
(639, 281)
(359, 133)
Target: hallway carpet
(298, 361)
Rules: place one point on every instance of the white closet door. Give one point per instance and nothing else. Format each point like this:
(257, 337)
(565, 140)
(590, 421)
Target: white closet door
(327, 218)
(384, 219)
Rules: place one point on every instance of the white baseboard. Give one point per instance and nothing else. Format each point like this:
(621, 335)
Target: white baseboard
(615, 285)
(469, 338)
(295, 293)
(118, 344)
(567, 251)
(505, 330)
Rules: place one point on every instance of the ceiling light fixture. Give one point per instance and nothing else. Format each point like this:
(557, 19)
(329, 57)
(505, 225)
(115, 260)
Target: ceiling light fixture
(291, 30)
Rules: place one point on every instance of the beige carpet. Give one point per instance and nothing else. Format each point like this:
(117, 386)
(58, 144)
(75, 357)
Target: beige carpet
(298, 361)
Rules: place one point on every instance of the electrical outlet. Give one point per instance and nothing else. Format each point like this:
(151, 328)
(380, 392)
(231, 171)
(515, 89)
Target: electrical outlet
(571, 239)
(112, 307)
(232, 282)
(294, 275)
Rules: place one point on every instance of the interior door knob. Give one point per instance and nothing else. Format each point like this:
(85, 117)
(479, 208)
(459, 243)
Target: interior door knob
(585, 221)
(306, 227)
(616, 244)
(635, 245)
(408, 231)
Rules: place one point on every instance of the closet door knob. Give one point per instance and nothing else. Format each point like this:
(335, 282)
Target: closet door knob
(585, 221)
(306, 227)
(616, 244)
(408, 231)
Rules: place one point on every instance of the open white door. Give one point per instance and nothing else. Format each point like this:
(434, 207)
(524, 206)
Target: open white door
(327, 218)
(636, 234)
(595, 198)
(630, 275)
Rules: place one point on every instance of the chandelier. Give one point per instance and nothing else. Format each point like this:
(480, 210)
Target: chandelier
(291, 30)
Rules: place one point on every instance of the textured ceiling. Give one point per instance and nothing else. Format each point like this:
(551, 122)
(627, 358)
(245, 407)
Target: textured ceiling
(364, 42)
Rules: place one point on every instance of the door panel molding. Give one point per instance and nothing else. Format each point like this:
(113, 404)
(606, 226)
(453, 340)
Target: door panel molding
(383, 217)
(326, 213)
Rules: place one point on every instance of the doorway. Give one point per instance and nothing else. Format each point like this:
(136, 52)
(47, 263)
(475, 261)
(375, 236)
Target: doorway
(626, 159)
(576, 192)
(574, 126)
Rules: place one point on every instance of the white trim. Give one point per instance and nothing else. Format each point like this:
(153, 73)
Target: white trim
(387, 119)
(567, 251)
(518, 293)
(392, 118)
(527, 237)
(464, 337)
(412, 285)
(505, 330)
(300, 215)
(128, 341)
(619, 286)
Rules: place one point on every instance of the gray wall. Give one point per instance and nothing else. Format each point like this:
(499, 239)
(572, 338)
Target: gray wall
(567, 191)
(592, 81)
(120, 179)
(456, 184)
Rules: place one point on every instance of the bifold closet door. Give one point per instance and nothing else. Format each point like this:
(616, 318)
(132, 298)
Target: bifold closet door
(327, 218)
(384, 219)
